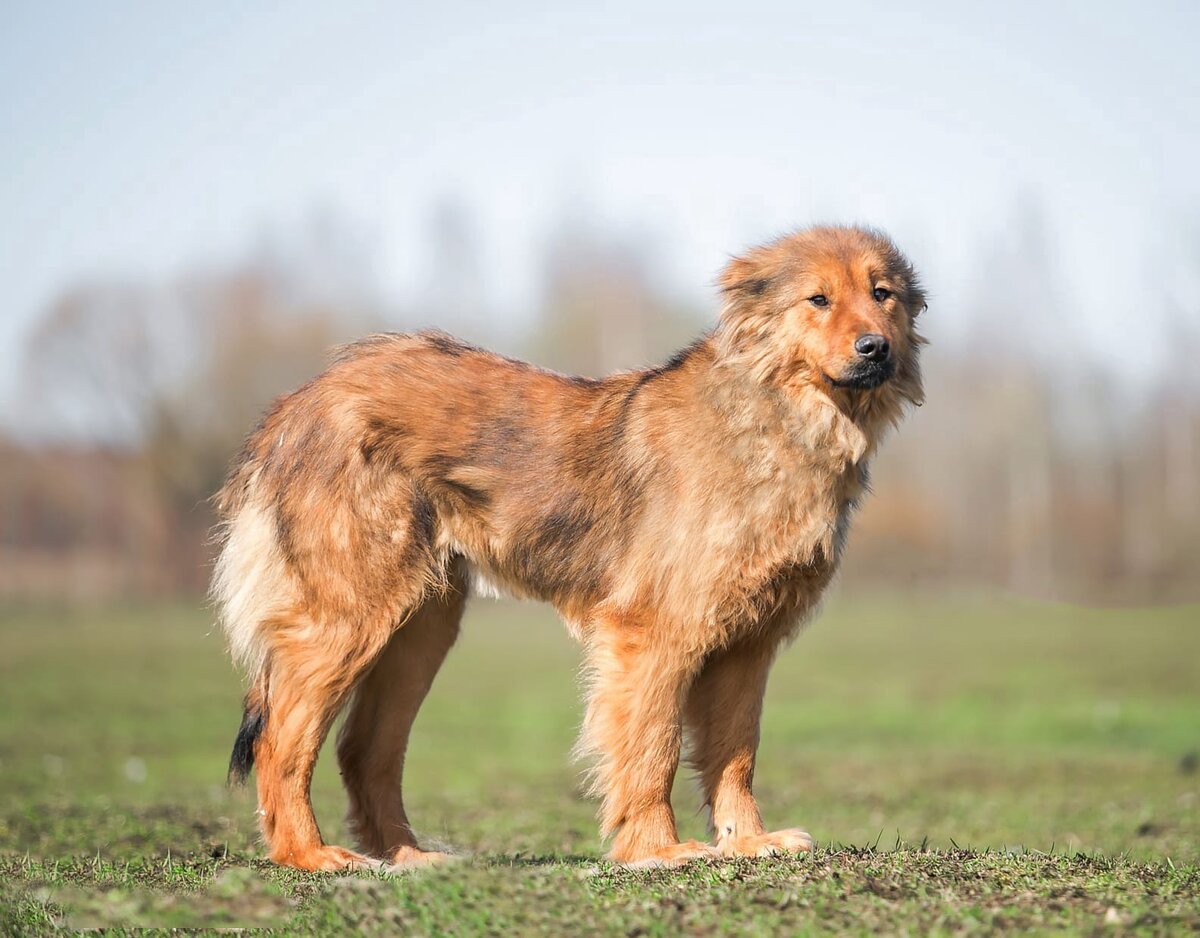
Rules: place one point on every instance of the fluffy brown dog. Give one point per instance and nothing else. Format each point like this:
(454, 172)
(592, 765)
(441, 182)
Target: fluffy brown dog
(684, 521)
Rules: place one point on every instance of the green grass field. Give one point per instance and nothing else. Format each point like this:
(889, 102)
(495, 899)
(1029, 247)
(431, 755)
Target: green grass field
(964, 764)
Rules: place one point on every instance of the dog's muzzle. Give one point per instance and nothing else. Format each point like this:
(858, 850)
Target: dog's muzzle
(863, 375)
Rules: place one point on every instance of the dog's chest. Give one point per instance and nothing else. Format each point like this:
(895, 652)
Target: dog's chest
(747, 522)
(807, 533)
(779, 541)
(799, 496)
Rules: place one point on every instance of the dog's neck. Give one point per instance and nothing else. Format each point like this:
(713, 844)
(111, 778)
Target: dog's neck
(841, 425)
(871, 413)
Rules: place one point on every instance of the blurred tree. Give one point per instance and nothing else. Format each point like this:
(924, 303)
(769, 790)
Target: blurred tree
(601, 312)
(94, 365)
(1179, 420)
(453, 296)
(176, 376)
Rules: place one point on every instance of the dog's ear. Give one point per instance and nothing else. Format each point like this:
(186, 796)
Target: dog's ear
(744, 327)
(902, 272)
(744, 277)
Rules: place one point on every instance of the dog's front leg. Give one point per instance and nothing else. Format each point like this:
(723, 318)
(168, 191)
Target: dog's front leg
(639, 682)
(724, 709)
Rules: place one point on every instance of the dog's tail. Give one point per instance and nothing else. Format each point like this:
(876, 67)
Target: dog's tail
(254, 721)
(250, 575)
(249, 583)
(251, 588)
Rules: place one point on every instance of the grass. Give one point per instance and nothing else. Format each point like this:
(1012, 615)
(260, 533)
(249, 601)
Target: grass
(965, 765)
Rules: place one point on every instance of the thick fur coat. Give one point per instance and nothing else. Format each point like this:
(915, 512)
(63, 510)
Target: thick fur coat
(683, 520)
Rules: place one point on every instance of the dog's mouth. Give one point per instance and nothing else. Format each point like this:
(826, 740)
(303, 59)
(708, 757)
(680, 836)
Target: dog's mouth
(863, 376)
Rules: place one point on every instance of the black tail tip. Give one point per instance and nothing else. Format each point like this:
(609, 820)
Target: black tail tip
(241, 760)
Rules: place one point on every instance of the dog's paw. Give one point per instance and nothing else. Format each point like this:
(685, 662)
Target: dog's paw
(412, 858)
(327, 857)
(672, 855)
(776, 843)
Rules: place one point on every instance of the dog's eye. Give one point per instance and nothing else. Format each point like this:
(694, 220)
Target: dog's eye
(881, 294)
(819, 300)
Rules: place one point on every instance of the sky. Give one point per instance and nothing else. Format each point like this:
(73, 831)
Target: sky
(143, 139)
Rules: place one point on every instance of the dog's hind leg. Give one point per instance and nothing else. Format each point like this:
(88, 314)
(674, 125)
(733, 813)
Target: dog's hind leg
(633, 726)
(310, 672)
(373, 740)
(723, 713)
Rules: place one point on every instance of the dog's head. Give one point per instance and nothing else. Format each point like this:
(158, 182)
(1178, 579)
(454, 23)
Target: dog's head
(833, 307)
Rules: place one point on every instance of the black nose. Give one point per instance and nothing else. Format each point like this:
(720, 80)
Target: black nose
(872, 347)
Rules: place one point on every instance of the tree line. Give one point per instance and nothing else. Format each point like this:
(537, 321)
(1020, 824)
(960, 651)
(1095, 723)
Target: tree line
(1067, 482)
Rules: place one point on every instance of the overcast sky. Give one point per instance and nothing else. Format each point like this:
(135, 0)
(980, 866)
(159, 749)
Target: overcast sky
(143, 138)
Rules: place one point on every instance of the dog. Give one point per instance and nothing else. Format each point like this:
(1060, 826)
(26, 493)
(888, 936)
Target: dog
(684, 521)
